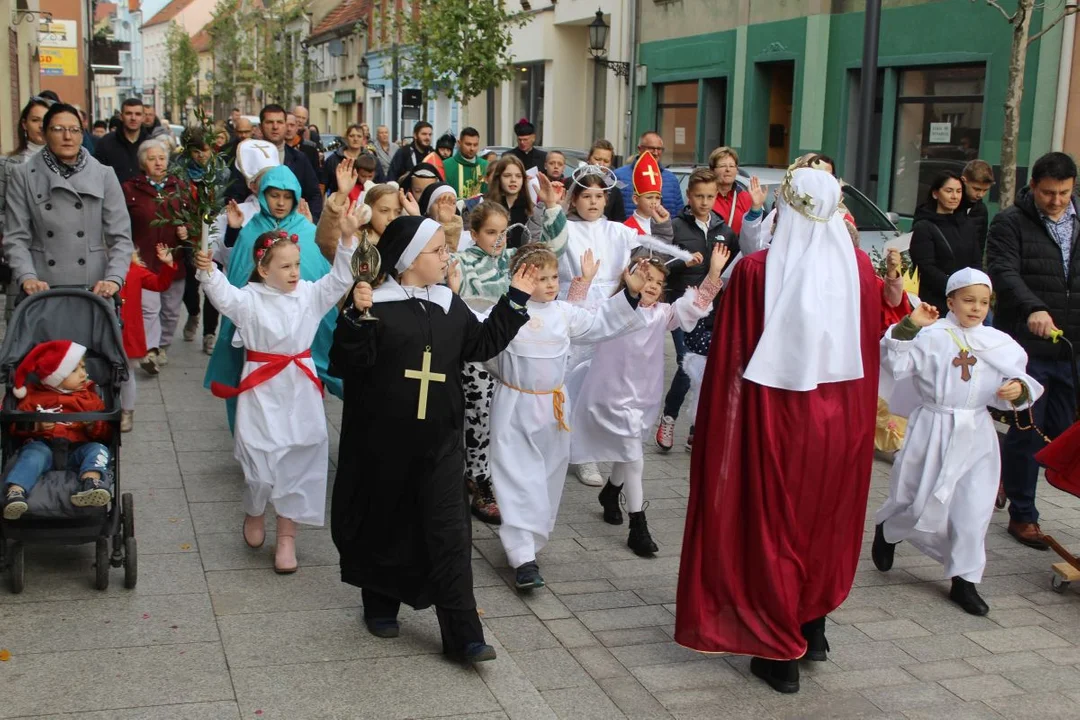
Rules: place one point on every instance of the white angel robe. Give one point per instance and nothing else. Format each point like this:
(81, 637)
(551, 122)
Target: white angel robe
(529, 448)
(281, 440)
(624, 386)
(611, 243)
(945, 478)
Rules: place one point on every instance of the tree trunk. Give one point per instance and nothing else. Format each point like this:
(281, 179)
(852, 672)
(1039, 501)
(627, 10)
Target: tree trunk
(1014, 93)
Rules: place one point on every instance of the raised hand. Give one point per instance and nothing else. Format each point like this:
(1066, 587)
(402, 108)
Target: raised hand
(453, 276)
(164, 254)
(357, 216)
(758, 193)
(181, 233)
(361, 296)
(408, 203)
(1011, 390)
(304, 210)
(660, 214)
(696, 260)
(203, 261)
(234, 215)
(445, 209)
(720, 256)
(893, 262)
(345, 175)
(924, 315)
(547, 193)
(635, 277)
(525, 278)
(589, 266)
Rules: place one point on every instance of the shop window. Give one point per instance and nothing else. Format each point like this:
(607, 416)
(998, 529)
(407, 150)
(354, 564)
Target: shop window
(676, 121)
(529, 96)
(938, 127)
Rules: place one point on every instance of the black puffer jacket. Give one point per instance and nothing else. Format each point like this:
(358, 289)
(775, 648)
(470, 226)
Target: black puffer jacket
(1026, 267)
(690, 237)
(941, 245)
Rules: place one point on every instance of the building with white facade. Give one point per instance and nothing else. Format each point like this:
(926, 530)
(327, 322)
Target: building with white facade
(191, 15)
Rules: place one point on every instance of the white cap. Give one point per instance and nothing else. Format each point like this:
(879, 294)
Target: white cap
(253, 156)
(965, 278)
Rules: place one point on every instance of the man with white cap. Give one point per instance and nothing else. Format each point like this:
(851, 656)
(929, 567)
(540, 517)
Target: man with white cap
(779, 483)
(944, 481)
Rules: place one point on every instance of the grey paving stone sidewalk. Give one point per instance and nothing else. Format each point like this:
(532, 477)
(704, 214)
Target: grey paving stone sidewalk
(212, 634)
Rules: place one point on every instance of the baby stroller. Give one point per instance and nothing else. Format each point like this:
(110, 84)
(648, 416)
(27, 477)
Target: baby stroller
(78, 315)
(1061, 458)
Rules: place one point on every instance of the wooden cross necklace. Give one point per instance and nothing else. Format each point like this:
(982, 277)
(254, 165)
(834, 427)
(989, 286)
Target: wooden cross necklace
(424, 374)
(965, 360)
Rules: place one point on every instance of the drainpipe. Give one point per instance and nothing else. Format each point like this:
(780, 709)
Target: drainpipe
(1068, 38)
(634, 33)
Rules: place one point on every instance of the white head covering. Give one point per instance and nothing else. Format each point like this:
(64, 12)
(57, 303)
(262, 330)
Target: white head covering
(419, 241)
(965, 278)
(812, 329)
(253, 156)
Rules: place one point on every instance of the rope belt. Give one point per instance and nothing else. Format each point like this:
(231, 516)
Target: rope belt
(558, 398)
(273, 365)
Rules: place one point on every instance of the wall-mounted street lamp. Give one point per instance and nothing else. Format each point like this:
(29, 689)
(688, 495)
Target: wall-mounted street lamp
(598, 37)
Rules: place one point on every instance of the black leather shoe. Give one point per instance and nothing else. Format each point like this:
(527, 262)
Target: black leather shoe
(383, 627)
(882, 552)
(609, 500)
(782, 675)
(817, 645)
(965, 595)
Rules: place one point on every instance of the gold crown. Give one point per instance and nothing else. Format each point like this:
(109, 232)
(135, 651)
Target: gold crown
(802, 203)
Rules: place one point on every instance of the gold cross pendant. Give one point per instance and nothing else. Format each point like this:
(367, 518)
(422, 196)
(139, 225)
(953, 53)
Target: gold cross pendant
(425, 376)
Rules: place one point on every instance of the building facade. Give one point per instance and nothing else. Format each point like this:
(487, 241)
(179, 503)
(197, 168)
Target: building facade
(19, 71)
(780, 78)
(334, 50)
(192, 16)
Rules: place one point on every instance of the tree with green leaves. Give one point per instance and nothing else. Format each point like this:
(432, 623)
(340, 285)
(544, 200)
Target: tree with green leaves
(279, 65)
(227, 40)
(183, 66)
(460, 47)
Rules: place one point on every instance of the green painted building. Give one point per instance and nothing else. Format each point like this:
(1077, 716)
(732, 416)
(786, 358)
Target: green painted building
(777, 78)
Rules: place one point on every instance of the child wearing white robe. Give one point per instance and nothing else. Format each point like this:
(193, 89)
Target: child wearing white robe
(281, 440)
(530, 437)
(623, 391)
(611, 242)
(944, 480)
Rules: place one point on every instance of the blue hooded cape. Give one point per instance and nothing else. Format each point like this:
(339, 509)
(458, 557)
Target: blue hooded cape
(227, 362)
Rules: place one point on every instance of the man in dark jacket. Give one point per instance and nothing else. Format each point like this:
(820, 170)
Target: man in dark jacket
(120, 148)
(978, 178)
(272, 121)
(526, 150)
(408, 157)
(1034, 261)
(651, 142)
(295, 122)
(697, 229)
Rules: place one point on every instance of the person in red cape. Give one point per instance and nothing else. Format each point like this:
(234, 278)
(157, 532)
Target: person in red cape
(778, 493)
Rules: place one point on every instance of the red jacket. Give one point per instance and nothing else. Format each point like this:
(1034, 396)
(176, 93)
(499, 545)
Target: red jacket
(42, 398)
(139, 277)
(742, 201)
(143, 207)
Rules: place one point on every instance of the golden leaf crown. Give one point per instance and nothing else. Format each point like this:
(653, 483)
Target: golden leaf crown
(802, 203)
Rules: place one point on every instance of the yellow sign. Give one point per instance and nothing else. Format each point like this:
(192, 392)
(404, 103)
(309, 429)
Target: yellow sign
(59, 61)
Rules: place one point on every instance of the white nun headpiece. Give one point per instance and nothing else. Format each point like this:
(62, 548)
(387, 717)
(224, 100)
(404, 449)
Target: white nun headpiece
(812, 329)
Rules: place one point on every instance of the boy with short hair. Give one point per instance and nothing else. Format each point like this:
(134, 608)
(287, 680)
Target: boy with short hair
(648, 198)
(697, 229)
(554, 165)
(978, 178)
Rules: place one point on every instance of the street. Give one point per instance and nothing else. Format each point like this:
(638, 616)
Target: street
(211, 633)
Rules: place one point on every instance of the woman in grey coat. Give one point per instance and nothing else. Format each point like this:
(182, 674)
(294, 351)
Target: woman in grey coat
(66, 222)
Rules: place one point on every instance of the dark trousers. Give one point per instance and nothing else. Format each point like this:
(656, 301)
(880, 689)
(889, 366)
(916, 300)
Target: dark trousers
(191, 303)
(459, 627)
(1053, 413)
(680, 384)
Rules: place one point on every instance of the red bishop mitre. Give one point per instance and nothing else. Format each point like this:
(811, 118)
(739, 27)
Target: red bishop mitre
(647, 175)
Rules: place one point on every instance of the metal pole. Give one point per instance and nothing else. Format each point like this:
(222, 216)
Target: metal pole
(397, 95)
(867, 94)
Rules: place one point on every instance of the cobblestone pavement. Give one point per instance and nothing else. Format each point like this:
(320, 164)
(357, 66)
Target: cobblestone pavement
(211, 633)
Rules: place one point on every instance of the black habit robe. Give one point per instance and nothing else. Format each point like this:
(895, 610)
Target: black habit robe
(399, 515)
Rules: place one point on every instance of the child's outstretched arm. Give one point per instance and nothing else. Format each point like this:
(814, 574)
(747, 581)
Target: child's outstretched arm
(697, 302)
(485, 340)
(355, 341)
(163, 280)
(330, 288)
(579, 286)
(231, 302)
(555, 232)
(901, 354)
(615, 316)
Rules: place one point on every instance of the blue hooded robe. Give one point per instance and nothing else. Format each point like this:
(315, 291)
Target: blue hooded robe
(227, 362)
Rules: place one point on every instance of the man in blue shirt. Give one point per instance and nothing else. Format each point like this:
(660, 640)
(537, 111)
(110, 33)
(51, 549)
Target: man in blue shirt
(671, 196)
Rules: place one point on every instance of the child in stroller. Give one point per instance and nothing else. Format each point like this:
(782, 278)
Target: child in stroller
(64, 387)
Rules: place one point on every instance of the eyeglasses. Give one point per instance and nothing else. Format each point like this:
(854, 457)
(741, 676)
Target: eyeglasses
(726, 166)
(651, 148)
(441, 251)
(61, 130)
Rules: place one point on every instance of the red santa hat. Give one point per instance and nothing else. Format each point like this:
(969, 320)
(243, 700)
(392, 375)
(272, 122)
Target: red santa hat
(51, 362)
(647, 180)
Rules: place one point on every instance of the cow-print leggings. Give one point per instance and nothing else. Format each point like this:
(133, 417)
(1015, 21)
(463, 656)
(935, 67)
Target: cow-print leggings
(479, 387)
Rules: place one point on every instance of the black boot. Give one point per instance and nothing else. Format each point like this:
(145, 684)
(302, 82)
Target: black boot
(609, 500)
(782, 675)
(882, 552)
(816, 643)
(640, 541)
(965, 595)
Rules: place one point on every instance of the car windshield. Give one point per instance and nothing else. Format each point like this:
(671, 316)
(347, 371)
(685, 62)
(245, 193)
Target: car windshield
(866, 214)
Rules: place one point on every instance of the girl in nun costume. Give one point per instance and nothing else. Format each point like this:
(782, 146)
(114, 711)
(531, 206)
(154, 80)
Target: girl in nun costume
(944, 481)
(399, 515)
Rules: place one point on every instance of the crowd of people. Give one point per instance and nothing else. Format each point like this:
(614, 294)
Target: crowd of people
(512, 320)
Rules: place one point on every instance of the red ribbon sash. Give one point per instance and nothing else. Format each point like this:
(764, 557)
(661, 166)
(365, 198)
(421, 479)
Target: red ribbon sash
(273, 364)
